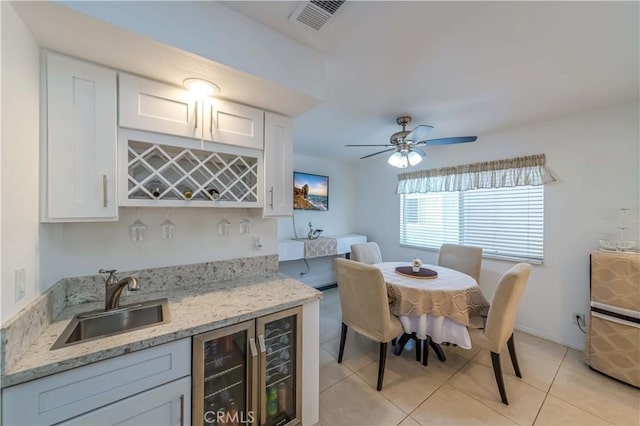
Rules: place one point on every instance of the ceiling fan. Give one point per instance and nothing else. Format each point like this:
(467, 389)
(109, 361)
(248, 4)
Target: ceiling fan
(406, 143)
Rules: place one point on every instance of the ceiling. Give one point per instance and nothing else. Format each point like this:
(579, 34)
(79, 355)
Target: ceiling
(68, 31)
(466, 68)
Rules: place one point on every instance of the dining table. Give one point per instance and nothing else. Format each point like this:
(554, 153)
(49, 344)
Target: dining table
(436, 309)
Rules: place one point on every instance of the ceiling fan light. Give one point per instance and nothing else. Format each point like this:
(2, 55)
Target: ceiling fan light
(399, 159)
(414, 158)
(404, 161)
(396, 159)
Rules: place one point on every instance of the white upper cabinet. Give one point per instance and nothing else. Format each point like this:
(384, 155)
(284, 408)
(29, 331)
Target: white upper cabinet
(161, 108)
(278, 165)
(156, 107)
(78, 141)
(233, 124)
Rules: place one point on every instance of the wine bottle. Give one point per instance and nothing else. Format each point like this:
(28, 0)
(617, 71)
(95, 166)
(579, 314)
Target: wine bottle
(282, 398)
(186, 192)
(155, 188)
(272, 401)
(232, 414)
(214, 193)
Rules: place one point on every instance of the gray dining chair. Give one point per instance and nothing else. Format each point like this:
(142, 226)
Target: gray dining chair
(498, 329)
(368, 253)
(465, 259)
(365, 307)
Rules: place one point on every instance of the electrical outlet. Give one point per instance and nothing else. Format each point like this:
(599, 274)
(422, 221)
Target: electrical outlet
(20, 281)
(257, 243)
(577, 315)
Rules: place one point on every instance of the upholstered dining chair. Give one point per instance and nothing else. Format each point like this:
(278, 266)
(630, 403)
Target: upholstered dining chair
(365, 307)
(368, 253)
(465, 259)
(498, 329)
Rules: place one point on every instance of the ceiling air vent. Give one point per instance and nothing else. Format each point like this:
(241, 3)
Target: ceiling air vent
(316, 13)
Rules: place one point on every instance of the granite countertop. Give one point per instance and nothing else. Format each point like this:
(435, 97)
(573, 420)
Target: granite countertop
(193, 310)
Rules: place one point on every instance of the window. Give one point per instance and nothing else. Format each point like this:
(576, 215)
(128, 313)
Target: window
(508, 223)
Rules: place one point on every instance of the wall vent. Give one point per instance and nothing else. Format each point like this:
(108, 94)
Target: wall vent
(316, 14)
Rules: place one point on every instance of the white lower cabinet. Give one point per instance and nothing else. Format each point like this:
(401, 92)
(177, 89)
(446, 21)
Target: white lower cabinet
(129, 388)
(168, 404)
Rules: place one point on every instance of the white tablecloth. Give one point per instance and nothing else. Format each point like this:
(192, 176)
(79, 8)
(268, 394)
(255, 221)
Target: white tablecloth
(450, 286)
(441, 329)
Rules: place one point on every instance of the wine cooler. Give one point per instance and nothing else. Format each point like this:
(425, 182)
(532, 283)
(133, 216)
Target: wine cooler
(249, 373)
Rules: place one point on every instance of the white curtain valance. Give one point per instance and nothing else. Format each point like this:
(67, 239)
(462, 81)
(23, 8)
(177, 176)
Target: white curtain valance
(520, 171)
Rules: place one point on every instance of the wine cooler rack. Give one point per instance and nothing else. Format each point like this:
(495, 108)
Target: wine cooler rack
(225, 386)
(173, 176)
(250, 373)
(280, 370)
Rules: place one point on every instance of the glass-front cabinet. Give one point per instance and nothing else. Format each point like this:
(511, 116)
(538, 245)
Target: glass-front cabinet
(249, 373)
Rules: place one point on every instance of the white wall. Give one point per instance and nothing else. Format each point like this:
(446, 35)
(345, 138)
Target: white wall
(53, 251)
(596, 157)
(19, 169)
(83, 248)
(339, 219)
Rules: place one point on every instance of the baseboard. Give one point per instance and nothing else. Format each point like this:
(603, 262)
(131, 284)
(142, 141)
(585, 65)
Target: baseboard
(327, 287)
(549, 337)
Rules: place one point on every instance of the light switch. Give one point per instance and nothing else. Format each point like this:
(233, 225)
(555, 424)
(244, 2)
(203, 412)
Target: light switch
(20, 278)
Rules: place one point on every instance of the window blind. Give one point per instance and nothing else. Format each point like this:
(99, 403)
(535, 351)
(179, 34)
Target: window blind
(508, 223)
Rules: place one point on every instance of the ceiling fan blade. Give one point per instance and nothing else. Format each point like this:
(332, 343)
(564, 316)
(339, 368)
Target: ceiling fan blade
(419, 151)
(448, 141)
(419, 133)
(371, 145)
(376, 153)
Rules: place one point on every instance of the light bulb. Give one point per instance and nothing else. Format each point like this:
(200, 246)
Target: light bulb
(200, 87)
(414, 158)
(396, 159)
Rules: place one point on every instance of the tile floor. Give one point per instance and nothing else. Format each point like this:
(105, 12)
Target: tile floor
(557, 388)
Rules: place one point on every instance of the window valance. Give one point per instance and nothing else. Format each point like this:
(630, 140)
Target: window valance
(520, 171)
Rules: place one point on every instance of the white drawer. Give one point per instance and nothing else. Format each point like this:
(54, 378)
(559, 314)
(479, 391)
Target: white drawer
(64, 395)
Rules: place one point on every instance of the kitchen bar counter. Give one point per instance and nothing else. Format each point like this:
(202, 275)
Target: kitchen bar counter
(193, 310)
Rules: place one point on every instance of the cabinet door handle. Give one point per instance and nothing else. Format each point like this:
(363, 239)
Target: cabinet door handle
(211, 119)
(181, 409)
(196, 112)
(105, 201)
(271, 203)
(263, 347)
(252, 345)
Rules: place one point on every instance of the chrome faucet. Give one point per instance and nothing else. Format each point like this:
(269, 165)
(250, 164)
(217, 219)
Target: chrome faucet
(113, 288)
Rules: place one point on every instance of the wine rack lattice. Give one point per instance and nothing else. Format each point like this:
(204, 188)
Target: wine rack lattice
(170, 173)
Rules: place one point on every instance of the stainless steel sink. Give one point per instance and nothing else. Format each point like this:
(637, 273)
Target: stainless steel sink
(94, 325)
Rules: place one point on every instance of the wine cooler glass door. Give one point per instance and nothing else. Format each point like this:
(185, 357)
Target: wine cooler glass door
(224, 367)
(280, 346)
